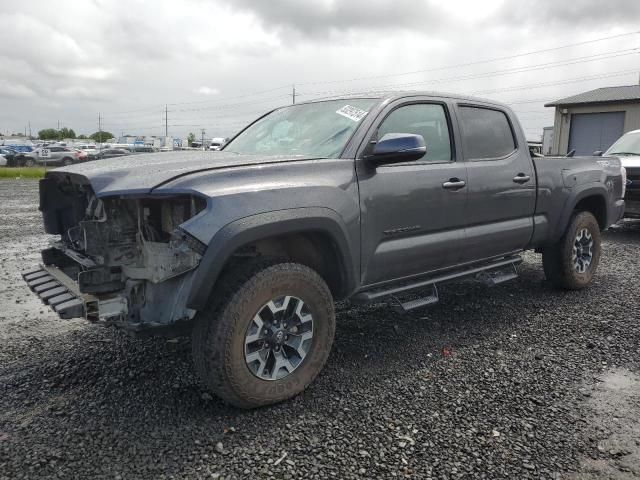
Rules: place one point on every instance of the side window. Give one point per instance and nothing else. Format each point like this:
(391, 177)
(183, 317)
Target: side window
(428, 120)
(486, 133)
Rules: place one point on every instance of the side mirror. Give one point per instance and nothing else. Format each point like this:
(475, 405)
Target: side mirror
(397, 148)
(598, 153)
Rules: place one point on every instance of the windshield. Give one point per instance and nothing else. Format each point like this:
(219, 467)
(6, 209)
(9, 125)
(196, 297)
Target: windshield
(319, 130)
(628, 144)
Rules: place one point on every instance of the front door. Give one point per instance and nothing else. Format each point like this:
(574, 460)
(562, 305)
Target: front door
(413, 213)
(502, 183)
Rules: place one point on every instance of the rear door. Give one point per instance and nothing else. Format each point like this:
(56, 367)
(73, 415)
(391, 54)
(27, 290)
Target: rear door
(501, 183)
(412, 220)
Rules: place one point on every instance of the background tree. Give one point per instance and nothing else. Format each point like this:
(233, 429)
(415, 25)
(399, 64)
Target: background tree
(67, 133)
(53, 134)
(49, 134)
(101, 136)
(82, 137)
(191, 138)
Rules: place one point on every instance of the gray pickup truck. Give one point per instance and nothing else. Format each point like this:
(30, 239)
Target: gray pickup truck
(370, 198)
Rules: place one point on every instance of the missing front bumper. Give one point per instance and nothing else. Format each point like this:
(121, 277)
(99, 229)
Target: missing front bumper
(61, 293)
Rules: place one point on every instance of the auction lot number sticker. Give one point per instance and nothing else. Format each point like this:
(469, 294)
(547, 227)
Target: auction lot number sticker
(352, 113)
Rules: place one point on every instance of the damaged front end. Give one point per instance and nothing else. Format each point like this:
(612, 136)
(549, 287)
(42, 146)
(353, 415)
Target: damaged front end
(120, 260)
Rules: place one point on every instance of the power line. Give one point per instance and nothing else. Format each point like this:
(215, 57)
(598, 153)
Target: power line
(509, 71)
(477, 62)
(559, 82)
(244, 95)
(229, 105)
(372, 77)
(218, 103)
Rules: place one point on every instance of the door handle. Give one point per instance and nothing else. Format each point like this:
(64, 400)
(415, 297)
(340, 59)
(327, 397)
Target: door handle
(521, 178)
(454, 184)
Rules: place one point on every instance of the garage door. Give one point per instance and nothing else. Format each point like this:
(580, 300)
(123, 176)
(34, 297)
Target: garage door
(594, 131)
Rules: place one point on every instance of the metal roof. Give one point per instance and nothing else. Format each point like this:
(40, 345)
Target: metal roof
(601, 95)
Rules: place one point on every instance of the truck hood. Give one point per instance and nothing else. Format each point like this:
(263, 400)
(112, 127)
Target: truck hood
(140, 174)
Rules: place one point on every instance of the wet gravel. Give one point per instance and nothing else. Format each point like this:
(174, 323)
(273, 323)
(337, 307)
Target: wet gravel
(490, 383)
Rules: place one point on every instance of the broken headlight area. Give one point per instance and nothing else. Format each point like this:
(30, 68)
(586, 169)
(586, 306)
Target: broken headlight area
(129, 259)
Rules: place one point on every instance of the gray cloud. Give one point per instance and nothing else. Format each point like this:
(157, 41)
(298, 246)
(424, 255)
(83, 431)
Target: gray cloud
(127, 60)
(324, 17)
(573, 13)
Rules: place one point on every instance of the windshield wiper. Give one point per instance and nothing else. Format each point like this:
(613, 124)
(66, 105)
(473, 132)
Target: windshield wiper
(624, 153)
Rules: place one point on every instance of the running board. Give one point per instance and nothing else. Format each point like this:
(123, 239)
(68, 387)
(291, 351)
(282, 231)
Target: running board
(377, 295)
(404, 307)
(493, 278)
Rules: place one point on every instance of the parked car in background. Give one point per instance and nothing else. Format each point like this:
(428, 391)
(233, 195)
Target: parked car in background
(143, 149)
(92, 151)
(217, 143)
(535, 149)
(113, 152)
(82, 155)
(627, 149)
(3, 160)
(52, 155)
(9, 156)
(20, 148)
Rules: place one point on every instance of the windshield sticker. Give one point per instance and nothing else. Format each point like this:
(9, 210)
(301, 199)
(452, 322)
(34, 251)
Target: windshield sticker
(352, 113)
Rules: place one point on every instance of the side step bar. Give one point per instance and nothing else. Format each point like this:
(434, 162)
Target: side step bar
(404, 307)
(482, 271)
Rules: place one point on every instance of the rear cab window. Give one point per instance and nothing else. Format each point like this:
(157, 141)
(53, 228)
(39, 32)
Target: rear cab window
(487, 133)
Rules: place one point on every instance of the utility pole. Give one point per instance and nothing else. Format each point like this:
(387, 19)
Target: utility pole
(100, 131)
(202, 139)
(29, 129)
(293, 95)
(58, 125)
(166, 121)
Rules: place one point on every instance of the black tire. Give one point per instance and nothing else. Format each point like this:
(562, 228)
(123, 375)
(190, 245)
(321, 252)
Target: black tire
(558, 260)
(67, 161)
(29, 162)
(218, 338)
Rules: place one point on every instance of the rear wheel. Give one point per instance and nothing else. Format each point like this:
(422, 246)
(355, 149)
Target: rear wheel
(67, 161)
(266, 334)
(572, 262)
(29, 162)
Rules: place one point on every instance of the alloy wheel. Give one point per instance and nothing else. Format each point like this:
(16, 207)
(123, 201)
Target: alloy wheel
(278, 338)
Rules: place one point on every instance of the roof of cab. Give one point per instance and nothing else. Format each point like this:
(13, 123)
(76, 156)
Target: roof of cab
(390, 95)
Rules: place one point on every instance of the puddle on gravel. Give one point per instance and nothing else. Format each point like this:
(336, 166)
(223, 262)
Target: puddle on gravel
(615, 424)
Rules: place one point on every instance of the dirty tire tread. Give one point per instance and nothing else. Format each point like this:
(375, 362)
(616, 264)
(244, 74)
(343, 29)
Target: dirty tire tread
(220, 323)
(556, 259)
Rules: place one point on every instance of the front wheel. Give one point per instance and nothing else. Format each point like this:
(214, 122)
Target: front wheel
(572, 262)
(67, 161)
(266, 334)
(29, 162)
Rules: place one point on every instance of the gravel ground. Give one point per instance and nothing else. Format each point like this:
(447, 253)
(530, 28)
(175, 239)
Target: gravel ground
(507, 382)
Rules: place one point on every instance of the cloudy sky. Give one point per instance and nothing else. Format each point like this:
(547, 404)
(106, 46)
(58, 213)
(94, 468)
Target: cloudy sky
(219, 63)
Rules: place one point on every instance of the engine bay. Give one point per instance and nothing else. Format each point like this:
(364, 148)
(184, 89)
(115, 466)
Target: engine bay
(127, 246)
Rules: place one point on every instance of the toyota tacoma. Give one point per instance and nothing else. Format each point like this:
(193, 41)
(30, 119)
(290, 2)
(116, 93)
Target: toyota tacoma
(368, 198)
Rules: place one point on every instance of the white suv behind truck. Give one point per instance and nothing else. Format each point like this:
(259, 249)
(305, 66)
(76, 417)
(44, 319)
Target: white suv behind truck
(627, 149)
